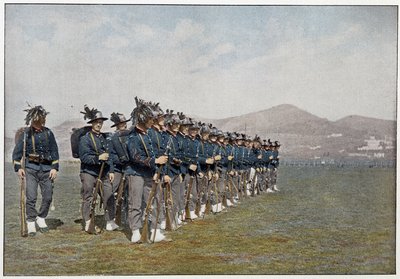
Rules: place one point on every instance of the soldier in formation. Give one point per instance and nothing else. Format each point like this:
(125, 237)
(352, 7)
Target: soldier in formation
(164, 171)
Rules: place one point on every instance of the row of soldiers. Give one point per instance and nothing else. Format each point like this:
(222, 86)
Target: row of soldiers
(167, 167)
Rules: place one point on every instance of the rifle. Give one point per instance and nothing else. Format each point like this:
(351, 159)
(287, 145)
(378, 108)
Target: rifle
(22, 200)
(208, 203)
(168, 206)
(167, 193)
(158, 212)
(121, 188)
(92, 228)
(198, 203)
(145, 230)
(52, 206)
(189, 190)
(224, 202)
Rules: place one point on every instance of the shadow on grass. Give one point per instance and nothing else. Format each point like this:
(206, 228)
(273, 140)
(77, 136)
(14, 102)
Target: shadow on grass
(53, 224)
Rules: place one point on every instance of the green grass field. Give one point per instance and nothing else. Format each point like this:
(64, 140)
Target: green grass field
(324, 221)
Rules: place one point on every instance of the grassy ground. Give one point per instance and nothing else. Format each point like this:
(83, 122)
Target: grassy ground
(324, 221)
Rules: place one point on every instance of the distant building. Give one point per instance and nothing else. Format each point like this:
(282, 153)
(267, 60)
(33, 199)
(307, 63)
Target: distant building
(372, 144)
(379, 155)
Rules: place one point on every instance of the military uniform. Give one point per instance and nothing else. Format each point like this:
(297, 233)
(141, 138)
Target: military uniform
(41, 156)
(120, 157)
(91, 145)
(140, 171)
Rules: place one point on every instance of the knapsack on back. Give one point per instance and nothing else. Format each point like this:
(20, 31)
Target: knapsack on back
(76, 135)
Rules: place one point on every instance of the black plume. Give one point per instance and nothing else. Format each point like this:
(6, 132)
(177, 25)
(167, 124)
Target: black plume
(34, 113)
(89, 113)
(114, 117)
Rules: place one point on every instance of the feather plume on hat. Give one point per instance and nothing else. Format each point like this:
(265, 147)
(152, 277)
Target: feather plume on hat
(89, 113)
(34, 113)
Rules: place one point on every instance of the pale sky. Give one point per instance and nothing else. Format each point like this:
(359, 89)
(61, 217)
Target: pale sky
(214, 62)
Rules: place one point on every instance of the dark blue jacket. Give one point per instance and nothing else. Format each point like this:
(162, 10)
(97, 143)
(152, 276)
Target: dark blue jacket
(185, 157)
(91, 145)
(268, 155)
(275, 159)
(206, 150)
(44, 145)
(174, 151)
(157, 139)
(141, 155)
(223, 163)
(119, 150)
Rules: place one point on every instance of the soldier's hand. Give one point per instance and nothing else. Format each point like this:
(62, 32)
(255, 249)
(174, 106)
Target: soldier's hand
(230, 158)
(21, 173)
(167, 179)
(259, 156)
(193, 167)
(271, 157)
(111, 177)
(155, 177)
(210, 161)
(53, 174)
(180, 178)
(216, 176)
(161, 160)
(231, 173)
(104, 156)
(201, 175)
(217, 158)
(210, 175)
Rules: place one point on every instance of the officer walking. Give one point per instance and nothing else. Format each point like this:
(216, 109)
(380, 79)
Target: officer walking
(38, 148)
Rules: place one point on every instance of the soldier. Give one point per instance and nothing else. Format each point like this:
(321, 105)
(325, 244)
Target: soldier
(120, 158)
(184, 146)
(270, 166)
(173, 168)
(194, 167)
(216, 168)
(158, 137)
(96, 164)
(206, 161)
(38, 149)
(275, 165)
(141, 171)
(257, 164)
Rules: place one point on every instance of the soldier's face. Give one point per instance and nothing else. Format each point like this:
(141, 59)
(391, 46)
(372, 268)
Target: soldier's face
(148, 123)
(122, 126)
(221, 139)
(39, 122)
(205, 136)
(213, 138)
(174, 127)
(97, 125)
(160, 120)
(193, 132)
(184, 129)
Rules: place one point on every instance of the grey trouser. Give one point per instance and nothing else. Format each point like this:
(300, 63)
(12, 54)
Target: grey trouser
(88, 185)
(274, 176)
(33, 179)
(139, 192)
(124, 205)
(193, 193)
(177, 194)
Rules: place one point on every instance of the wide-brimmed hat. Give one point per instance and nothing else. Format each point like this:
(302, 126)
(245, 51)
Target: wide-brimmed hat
(184, 120)
(171, 118)
(118, 118)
